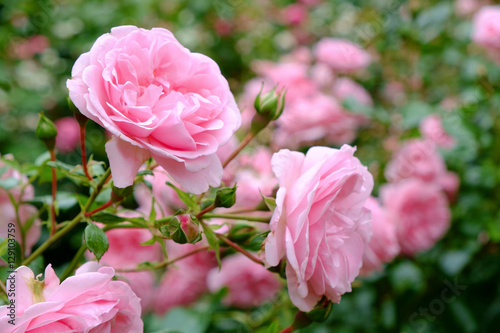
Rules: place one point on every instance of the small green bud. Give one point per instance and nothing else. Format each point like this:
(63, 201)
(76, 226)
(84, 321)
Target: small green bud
(46, 131)
(82, 120)
(225, 197)
(241, 233)
(271, 104)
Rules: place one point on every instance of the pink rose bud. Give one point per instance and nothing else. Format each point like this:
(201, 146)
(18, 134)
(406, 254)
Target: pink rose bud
(419, 212)
(158, 100)
(89, 301)
(68, 134)
(249, 284)
(341, 54)
(320, 226)
(295, 14)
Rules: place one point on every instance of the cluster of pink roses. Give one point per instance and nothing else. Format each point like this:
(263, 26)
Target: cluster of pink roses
(315, 92)
(415, 204)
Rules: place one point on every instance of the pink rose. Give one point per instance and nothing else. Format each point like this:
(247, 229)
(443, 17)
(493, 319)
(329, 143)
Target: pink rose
(319, 226)
(125, 251)
(90, 301)
(417, 158)
(249, 284)
(383, 245)
(486, 27)
(26, 211)
(432, 129)
(341, 54)
(185, 280)
(345, 87)
(68, 134)
(419, 211)
(294, 14)
(158, 100)
(313, 118)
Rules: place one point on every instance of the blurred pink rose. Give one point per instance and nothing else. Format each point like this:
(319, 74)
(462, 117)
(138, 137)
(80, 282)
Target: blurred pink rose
(313, 118)
(68, 134)
(158, 100)
(345, 87)
(27, 48)
(467, 7)
(90, 301)
(252, 173)
(319, 226)
(125, 251)
(417, 158)
(383, 245)
(432, 129)
(249, 284)
(294, 14)
(419, 211)
(185, 280)
(26, 211)
(449, 182)
(486, 27)
(341, 54)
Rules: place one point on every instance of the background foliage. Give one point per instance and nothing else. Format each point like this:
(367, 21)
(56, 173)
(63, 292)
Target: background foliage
(422, 47)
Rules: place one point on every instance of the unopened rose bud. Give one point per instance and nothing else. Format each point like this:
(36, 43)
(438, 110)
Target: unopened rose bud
(46, 131)
(225, 197)
(183, 229)
(271, 104)
(82, 120)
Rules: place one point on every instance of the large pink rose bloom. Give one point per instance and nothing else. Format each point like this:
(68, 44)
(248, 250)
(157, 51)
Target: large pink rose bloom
(486, 27)
(158, 100)
(249, 284)
(341, 54)
(419, 211)
(319, 226)
(383, 245)
(26, 211)
(90, 301)
(184, 281)
(432, 129)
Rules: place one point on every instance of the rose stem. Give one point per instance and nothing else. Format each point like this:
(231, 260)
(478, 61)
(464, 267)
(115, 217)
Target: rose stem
(239, 249)
(239, 217)
(164, 263)
(204, 211)
(48, 243)
(84, 153)
(106, 205)
(242, 145)
(72, 265)
(54, 191)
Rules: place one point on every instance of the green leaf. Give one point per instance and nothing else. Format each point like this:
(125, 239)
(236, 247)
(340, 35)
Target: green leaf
(96, 240)
(187, 198)
(9, 183)
(273, 328)
(269, 201)
(3, 246)
(212, 240)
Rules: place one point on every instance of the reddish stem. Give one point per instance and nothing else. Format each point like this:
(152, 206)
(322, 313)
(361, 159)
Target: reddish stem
(288, 330)
(84, 153)
(242, 145)
(54, 191)
(106, 205)
(204, 211)
(240, 249)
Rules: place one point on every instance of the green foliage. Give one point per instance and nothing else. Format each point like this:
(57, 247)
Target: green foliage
(96, 240)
